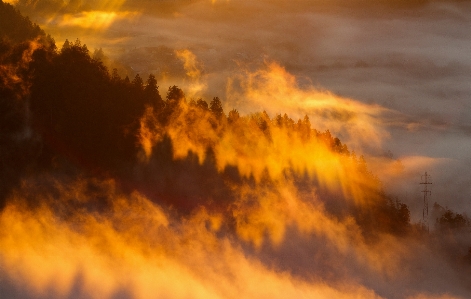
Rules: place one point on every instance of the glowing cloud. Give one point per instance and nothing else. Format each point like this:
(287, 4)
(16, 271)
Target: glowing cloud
(193, 71)
(275, 90)
(259, 146)
(95, 19)
(138, 250)
(8, 72)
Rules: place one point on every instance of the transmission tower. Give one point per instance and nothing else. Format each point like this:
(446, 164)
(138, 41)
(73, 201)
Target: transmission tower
(426, 180)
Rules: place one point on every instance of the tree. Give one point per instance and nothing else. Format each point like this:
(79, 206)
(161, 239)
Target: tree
(83, 48)
(126, 80)
(216, 107)
(137, 82)
(15, 152)
(115, 77)
(151, 85)
(233, 116)
(279, 120)
(450, 220)
(152, 94)
(263, 120)
(66, 45)
(288, 123)
(175, 94)
(17, 28)
(202, 104)
(172, 101)
(403, 213)
(305, 128)
(74, 99)
(99, 55)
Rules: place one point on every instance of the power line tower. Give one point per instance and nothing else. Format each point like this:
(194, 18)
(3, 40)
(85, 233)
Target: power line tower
(426, 180)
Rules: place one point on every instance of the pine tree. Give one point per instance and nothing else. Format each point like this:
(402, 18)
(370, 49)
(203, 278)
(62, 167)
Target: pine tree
(216, 107)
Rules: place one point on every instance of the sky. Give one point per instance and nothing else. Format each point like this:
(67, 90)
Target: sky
(401, 67)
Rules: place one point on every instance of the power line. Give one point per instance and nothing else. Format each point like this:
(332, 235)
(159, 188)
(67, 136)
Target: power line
(426, 180)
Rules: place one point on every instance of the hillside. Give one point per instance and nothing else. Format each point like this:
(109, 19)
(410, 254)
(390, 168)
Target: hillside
(111, 187)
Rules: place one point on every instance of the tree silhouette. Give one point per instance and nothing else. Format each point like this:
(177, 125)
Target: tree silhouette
(152, 94)
(138, 82)
(305, 128)
(115, 77)
(16, 27)
(15, 152)
(174, 94)
(451, 221)
(233, 116)
(202, 104)
(76, 103)
(66, 45)
(215, 106)
(100, 55)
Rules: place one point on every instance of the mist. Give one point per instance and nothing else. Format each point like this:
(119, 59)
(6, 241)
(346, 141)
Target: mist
(405, 57)
(302, 181)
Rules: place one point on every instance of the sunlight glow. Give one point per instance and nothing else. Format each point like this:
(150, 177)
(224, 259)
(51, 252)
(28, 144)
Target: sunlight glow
(99, 20)
(276, 90)
(193, 71)
(139, 250)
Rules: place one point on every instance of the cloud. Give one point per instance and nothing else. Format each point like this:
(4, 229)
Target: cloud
(135, 248)
(193, 70)
(82, 237)
(98, 20)
(276, 91)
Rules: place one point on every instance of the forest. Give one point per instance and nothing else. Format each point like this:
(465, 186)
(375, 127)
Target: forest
(72, 130)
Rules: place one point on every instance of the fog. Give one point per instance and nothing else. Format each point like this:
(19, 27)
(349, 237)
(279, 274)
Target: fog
(390, 79)
(409, 58)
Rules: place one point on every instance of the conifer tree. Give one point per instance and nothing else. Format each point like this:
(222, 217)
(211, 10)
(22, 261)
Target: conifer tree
(138, 82)
(216, 107)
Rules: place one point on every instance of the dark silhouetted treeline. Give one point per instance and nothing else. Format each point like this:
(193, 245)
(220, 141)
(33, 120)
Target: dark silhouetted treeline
(16, 28)
(83, 111)
(446, 220)
(18, 145)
